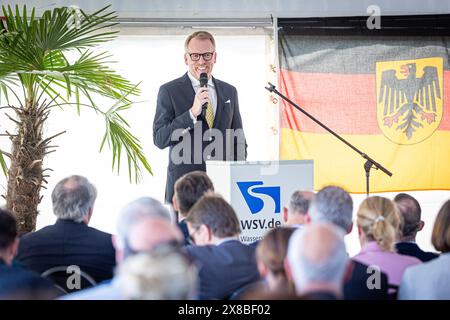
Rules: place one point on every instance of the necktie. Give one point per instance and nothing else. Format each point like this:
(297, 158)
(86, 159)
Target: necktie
(209, 115)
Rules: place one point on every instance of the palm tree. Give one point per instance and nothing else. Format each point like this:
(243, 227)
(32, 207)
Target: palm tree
(50, 62)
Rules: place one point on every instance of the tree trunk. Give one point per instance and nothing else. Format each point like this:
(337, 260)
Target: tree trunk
(25, 175)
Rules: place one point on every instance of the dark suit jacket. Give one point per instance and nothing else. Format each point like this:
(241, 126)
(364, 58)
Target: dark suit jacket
(412, 249)
(184, 229)
(356, 287)
(224, 268)
(175, 98)
(19, 283)
(68, 243)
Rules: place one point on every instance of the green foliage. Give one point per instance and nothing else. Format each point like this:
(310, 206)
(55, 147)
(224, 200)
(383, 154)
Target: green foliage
(53, 57)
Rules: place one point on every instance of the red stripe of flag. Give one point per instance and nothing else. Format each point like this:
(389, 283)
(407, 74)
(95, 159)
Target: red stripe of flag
(346, 103)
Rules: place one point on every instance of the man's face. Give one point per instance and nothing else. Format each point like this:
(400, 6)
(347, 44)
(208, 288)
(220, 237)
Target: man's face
(197, 67)
(198, 235)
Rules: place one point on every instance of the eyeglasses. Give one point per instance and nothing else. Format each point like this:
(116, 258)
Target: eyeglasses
(191, 236)
(196, 56)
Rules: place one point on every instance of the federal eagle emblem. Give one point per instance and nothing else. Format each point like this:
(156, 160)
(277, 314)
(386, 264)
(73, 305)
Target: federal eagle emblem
(410, 98)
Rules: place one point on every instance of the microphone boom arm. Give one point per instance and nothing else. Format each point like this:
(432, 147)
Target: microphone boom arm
(370, 163)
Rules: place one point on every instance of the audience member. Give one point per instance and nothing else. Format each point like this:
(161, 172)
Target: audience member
(431, 280)
(17, 282)
(296, 214)
(70, 242)
(378, 224)
(317, 261)
(164, 274)
(226, 264)
(270, 255)
(188, 189)
(142, 225)
(410, 213)
(334, 205)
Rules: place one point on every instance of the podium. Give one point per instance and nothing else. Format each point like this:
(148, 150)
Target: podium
(258, 190)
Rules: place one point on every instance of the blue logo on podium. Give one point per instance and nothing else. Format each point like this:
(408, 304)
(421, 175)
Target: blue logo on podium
(254, 203)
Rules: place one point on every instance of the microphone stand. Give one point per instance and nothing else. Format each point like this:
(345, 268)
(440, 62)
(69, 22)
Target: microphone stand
(369, 164)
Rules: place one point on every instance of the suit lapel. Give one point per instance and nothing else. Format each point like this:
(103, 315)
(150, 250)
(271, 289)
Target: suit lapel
(220, 103)
(187, 89)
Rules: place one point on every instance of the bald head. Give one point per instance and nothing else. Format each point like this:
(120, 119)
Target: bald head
(321, 240)
(317, 256)
(150, 232)
(410, 212)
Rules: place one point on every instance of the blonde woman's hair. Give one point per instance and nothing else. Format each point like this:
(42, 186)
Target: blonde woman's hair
(379, 220)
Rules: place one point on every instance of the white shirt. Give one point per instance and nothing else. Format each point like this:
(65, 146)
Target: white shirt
(211, 90)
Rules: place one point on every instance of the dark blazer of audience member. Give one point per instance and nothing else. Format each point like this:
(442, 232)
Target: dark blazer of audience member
(431, 280)
(17, 282)
(335, 205)
(225, 263)
(70, 241)
(410, 212)
(188, 189)
(296, 214)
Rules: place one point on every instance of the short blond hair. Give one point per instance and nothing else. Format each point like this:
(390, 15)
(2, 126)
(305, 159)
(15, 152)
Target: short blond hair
(379, 219)
(202, 35)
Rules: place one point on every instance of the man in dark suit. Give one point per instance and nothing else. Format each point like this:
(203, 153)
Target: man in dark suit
(411, 212)
(335, 205)
(17, 282)
(188, 189)
(194, 133)
(70, 252)
(225, 263)
(143, 225)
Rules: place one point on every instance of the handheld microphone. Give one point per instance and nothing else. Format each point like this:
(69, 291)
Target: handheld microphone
(204, 83)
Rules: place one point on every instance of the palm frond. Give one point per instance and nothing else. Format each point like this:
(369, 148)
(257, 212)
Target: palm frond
(3, 164)
(34, 53)
(118, 137)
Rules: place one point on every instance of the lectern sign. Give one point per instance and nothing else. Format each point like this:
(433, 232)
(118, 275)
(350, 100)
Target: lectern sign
(258, 190)
(254, 201)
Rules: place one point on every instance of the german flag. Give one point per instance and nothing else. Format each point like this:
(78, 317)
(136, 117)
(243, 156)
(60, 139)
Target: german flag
(387, 95)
